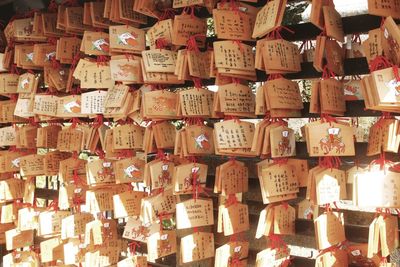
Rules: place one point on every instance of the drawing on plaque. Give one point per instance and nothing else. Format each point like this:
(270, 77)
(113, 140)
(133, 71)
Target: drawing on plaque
(132, 172)
(28, 30)
(15, 163)
(393, 85)
(62, 74)
(25, 83)
(140, 232)
(202, 141)
(194, 174)
(29, 57)
(308, 213)
(237, 255)
(73, 106)
(164, 247)
(162, 103)
(101, 45)
(349, 90)
(284, 145)
(50, 56)
(332, 141)
(128, 38)
(105, 172)
(165, 177)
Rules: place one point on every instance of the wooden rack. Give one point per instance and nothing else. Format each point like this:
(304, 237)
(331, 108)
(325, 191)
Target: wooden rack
(303, 243)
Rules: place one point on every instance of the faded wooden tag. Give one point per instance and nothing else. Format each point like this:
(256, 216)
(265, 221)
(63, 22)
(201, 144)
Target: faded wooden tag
(329, 229)
(194, 213)
(235, 219)
(196, 247)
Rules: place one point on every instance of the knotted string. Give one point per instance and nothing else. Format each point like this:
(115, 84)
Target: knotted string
(14, 97)
(333, 248)
(276, 34)
(234, 260)
(197, 82)
(76, 179)
(168, 13)
(102, 60)
(189, 10)
(100, 153)
(98, 121)
(329, 208)
(125, 154)
(77, 201)
(329, 162)
(133, 246)
(280, 161)
(396, 72)
(326, 118)
(231, 200)
(276, 242)
(274, 76)
(234, 118)
(385, 212)
(75, 122)
(239, 44)
(192, 42)
(161, 43)
(53, 205)
(161, 155)
(378, 63)
(327, 73)
(381, 161)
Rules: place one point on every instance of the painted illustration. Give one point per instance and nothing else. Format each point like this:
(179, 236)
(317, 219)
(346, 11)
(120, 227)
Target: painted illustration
(194, 174)
(101, 45)
(163, 104)
(165, 177)
(73, 107)
(394, 86)
(284, 146)
(25, 83)
(332, 141)
(141, 232)
(49, 56)
(202, 142)
(128, 38)
(29, 57)
(132, 172)
(105, 172)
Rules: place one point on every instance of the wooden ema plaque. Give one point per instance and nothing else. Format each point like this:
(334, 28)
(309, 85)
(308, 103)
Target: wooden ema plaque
(114, 109)
(196, 247)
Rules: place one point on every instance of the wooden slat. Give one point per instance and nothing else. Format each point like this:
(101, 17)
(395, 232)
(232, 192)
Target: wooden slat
(352, 66)
(46, 193)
